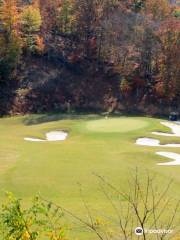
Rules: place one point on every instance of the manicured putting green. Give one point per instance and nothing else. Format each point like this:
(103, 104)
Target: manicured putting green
(116, 125)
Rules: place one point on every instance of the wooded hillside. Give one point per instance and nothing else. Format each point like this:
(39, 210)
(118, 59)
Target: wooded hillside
(89, 55)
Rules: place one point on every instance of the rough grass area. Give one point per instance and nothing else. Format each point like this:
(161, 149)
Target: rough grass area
(95, 145)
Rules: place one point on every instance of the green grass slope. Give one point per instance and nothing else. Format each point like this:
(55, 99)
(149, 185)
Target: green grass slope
(95, 145)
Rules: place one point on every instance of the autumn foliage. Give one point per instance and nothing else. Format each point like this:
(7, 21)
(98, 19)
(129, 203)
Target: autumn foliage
(128, 49)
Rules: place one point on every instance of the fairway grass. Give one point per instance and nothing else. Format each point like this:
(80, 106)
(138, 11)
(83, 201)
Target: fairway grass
(94, 145)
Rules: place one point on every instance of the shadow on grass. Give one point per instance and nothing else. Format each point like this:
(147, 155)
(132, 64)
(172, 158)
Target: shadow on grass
(51, 117)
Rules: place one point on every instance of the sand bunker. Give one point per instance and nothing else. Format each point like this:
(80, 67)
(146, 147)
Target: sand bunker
(154, 143)
(174, 156)
(147, 142)
(56, 136)
(50, 137)
(34, 140)
(175, 128)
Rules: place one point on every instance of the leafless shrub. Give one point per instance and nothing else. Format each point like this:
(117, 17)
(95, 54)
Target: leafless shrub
(142, 205)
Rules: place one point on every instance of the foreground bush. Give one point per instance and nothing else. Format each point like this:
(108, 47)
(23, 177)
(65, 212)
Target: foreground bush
(39, 221)
(142, 206)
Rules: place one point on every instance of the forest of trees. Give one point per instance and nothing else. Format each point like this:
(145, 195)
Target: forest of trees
(89, 54)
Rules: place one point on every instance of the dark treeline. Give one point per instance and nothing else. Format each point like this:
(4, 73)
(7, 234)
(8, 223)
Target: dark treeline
(89, 54)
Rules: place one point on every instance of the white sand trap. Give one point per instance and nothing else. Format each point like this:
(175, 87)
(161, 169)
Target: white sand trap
(50, 137)
(175, 128)
(174, 156)
(56, 136)
(154, 143)
(148, 142)
(34, 140)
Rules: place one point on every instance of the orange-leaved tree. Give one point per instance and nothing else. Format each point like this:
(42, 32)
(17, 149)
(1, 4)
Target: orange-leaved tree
(10, 40)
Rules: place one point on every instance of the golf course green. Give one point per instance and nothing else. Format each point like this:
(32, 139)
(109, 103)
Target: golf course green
(95, 144)
(116, 125)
